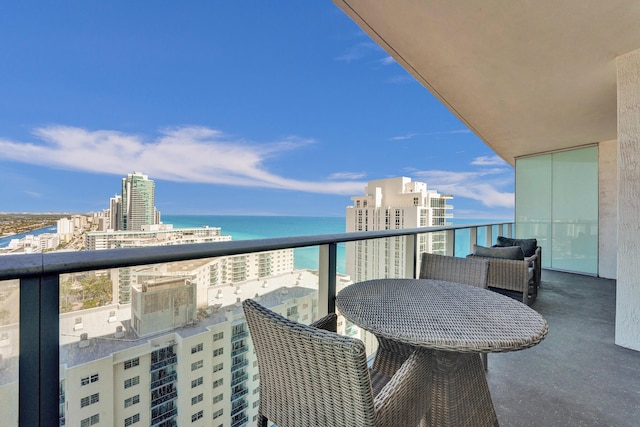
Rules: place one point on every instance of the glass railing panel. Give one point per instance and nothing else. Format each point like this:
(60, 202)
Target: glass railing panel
(112, 322)
(463, 244)
(126, 332)
(9, 350)
(482, 236)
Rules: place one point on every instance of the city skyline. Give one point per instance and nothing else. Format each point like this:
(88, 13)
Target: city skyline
(259, 110)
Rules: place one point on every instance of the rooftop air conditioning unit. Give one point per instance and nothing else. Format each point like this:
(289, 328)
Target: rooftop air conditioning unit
(119, 332)
(84, 340)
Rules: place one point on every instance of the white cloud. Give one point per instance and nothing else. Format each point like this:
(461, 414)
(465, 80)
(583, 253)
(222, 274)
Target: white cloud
(347, 175)
(34, 194)
(358, 51)
(404, 137)
(387, 60)
(484, 185)
(494, 160)
(187, 154)
(401, 79)
(412, 134)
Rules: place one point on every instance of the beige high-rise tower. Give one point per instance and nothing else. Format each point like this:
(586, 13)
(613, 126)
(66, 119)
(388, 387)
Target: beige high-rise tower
(392, 204)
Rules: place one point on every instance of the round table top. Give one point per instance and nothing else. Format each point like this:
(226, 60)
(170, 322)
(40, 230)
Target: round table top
(441, 315)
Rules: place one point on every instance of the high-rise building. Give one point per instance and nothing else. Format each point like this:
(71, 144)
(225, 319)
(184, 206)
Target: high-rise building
(137, 205)
(392, 204)
(114, 212)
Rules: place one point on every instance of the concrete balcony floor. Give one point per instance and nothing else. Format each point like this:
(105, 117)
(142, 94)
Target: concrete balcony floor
(577, 376)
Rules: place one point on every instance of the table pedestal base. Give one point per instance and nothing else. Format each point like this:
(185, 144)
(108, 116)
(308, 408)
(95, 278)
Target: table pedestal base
(460, 394)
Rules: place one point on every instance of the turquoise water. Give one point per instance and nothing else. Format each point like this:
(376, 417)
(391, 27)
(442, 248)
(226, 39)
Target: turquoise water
(261, 227)
(4, 241)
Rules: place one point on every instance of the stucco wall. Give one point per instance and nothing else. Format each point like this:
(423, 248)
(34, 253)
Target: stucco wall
(628, 284)
(607, 209)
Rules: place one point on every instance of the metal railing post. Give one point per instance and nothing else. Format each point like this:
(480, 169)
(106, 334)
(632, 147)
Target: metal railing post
(39, 359)
(411, 256)
(451, 243)
(489, 237)
(327, 270)
(473, 237)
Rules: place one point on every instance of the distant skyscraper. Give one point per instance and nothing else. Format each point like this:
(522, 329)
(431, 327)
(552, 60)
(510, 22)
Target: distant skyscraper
(115, 211)
(137, 206)
(392, 204)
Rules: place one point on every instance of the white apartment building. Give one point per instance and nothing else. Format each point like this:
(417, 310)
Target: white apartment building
(203, 372)
(64, 226)
(153, 235)
(214, 278)
(392, 204)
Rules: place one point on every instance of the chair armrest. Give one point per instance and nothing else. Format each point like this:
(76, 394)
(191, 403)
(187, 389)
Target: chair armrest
(328, 322)
(403, 401)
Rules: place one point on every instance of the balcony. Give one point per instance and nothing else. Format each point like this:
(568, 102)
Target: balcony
(577, 375)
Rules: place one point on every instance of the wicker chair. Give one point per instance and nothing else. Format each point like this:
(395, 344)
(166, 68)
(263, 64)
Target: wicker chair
(314, 377)
(532, 254)
(474, 272)
(469, 271)
(513, 275)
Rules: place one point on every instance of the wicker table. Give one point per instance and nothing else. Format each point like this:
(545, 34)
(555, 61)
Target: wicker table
(454, 323)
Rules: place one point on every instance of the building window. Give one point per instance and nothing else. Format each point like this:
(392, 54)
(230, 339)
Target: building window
(132, 381)
(131, 363)
(217, 383)
(196, 365)
(131, 420)
(219, 398)
(217, 414)
(218, 336)
(90, 379)
(132, 401)
(196, 348)
(218, 367)
(89, 400)
(196, 399)
(196, 382)
(92, 420)
(195, 417)
(218, 351)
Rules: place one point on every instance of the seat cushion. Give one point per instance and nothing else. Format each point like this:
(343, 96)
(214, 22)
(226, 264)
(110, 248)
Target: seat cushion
(506, 252)
(528, 245)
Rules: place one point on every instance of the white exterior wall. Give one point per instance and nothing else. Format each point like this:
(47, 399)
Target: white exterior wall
(628, 287)
(64, 226)
(607, 209)
(159, 237)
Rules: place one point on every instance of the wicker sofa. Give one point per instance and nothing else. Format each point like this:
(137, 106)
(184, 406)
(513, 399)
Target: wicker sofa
(511, 274)
(532, 253)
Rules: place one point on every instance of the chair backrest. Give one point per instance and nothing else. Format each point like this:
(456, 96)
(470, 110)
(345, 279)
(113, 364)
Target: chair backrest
(309, 376)
(470, 271)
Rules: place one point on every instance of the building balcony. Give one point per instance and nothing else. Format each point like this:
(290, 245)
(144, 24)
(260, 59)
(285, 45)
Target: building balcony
(168, 361)
(577, 375)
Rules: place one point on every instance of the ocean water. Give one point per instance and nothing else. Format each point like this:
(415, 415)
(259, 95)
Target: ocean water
(4, 241)
(242, 227)
(261, 227)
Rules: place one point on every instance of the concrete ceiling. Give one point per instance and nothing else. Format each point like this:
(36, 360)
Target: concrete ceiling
(526, 76)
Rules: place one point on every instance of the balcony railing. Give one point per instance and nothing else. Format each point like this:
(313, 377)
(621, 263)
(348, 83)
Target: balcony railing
(39, 276)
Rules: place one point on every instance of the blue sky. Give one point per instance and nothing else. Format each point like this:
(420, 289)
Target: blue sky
(244, 107)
